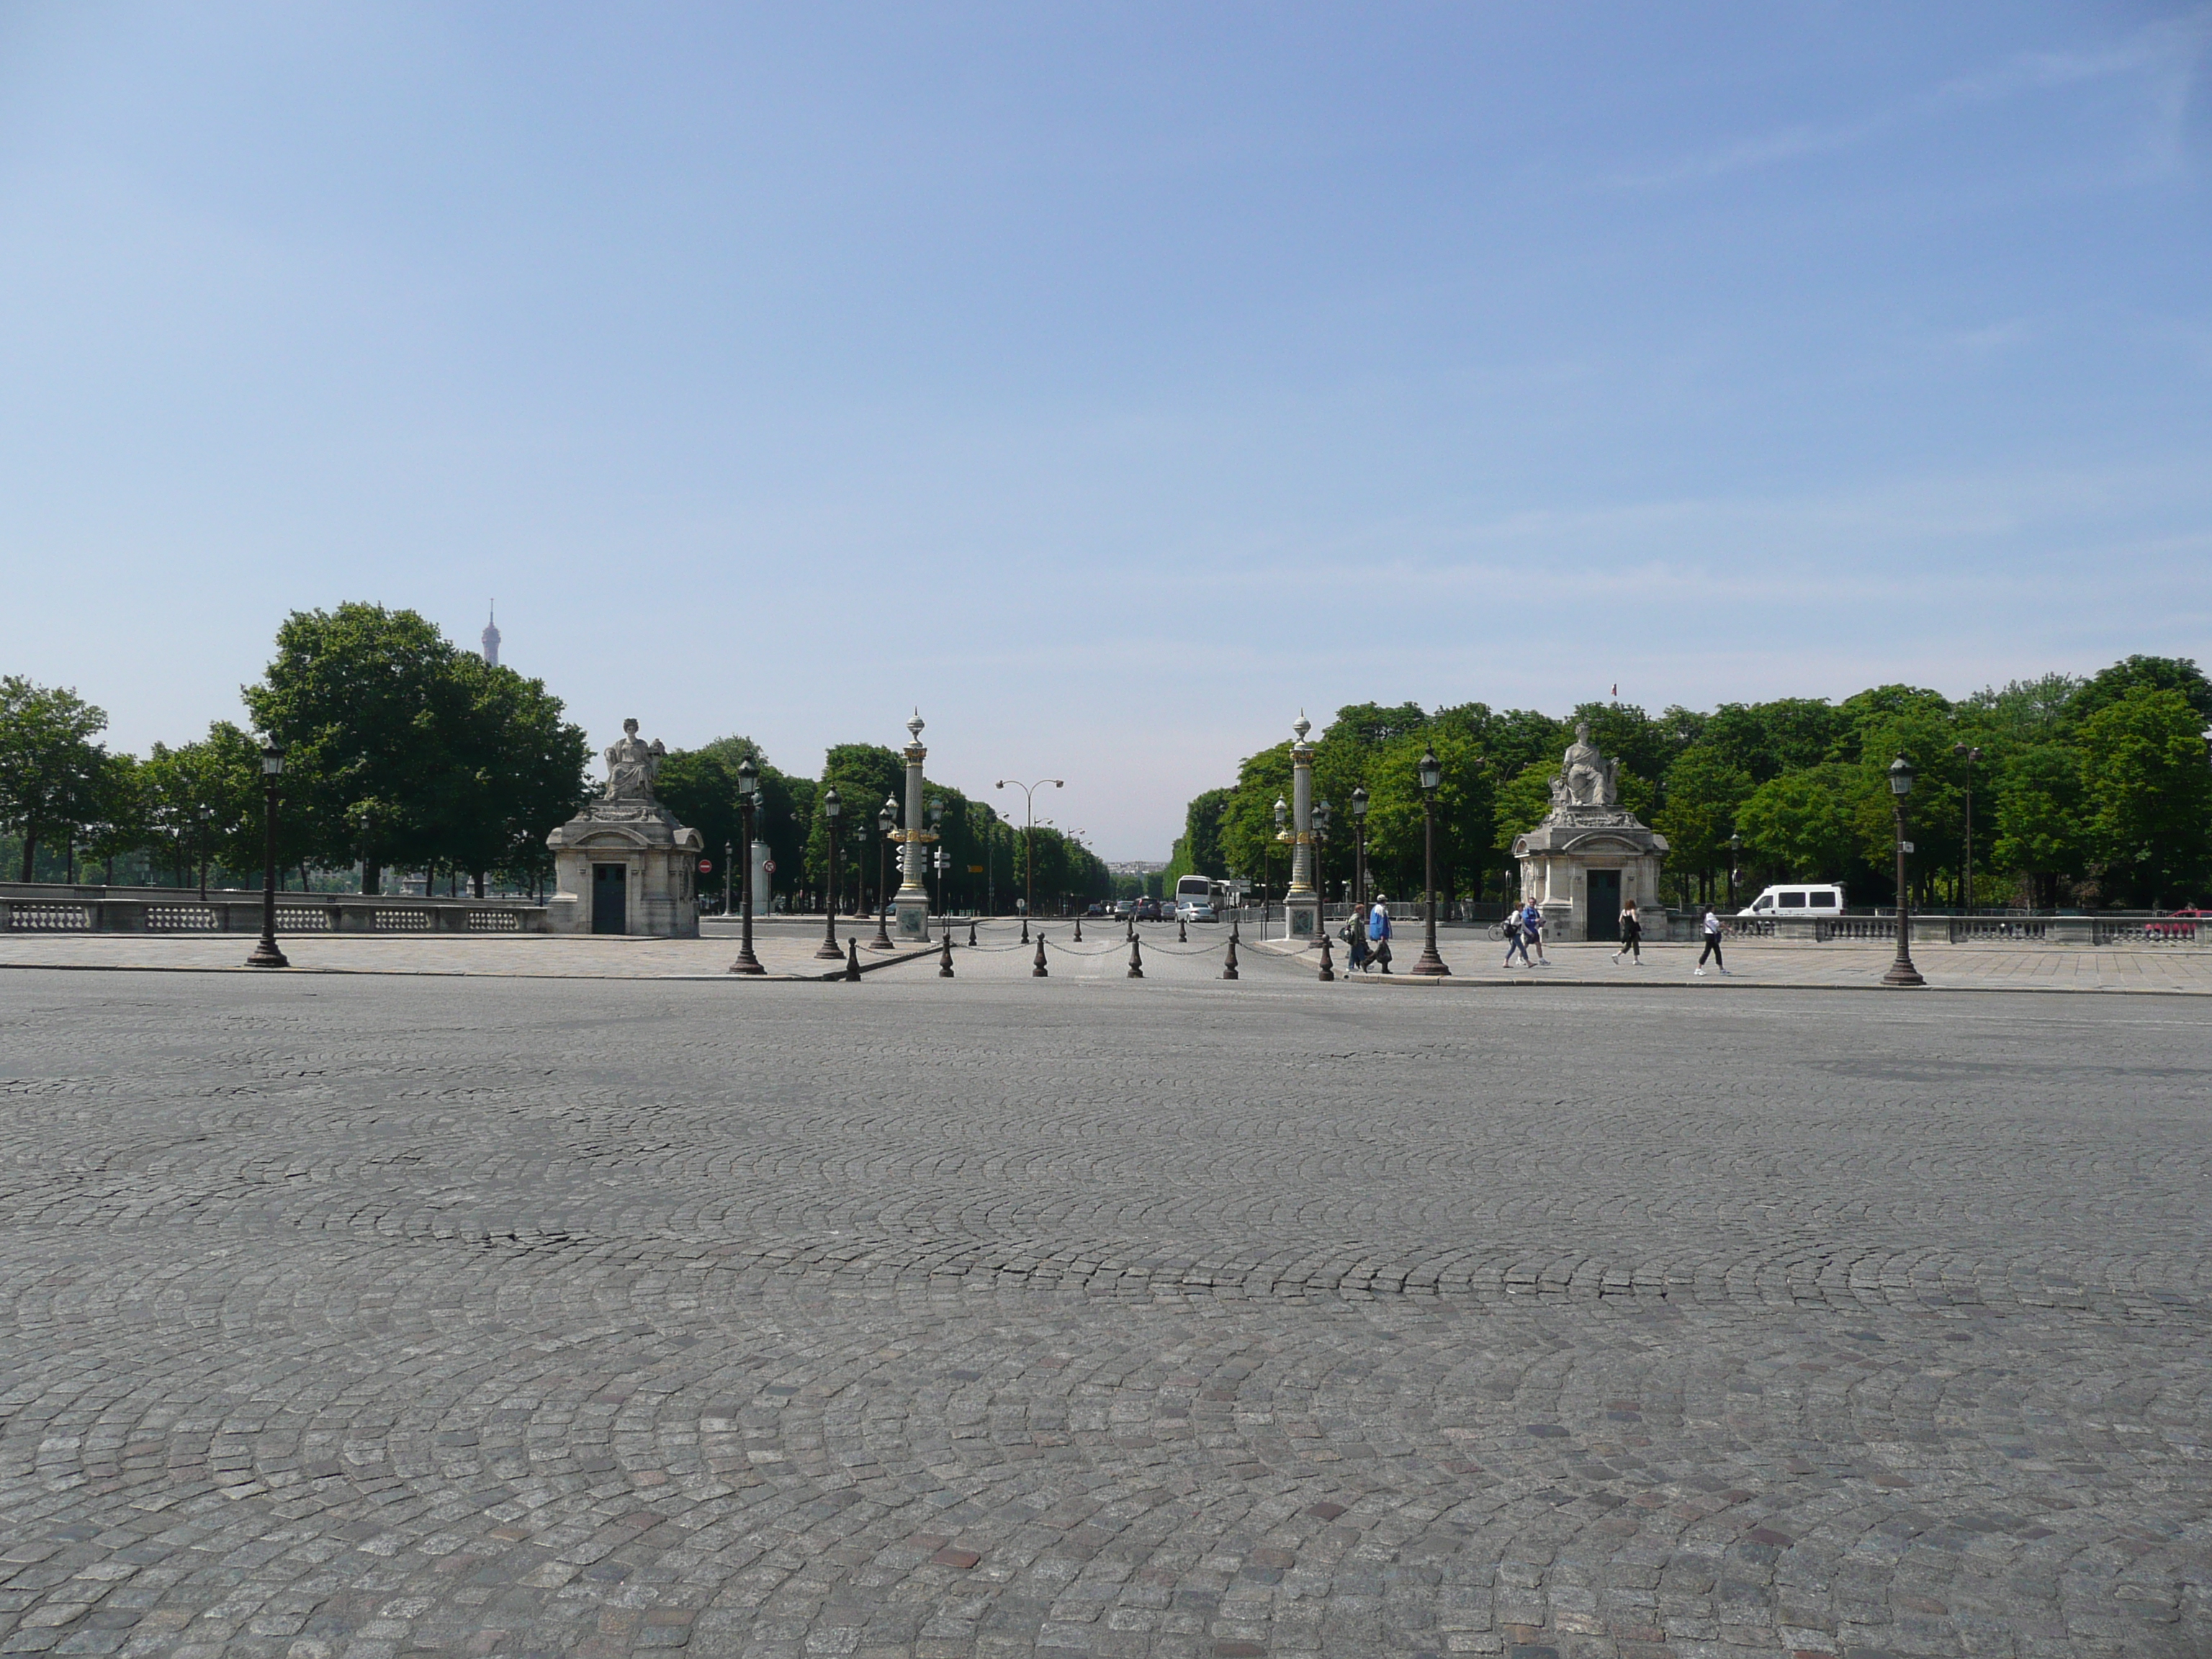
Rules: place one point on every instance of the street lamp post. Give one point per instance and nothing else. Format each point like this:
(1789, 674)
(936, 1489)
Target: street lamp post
(748, 799)
(1901, 971)
(1358, 849)
(1971, 753)
(886, 821)
(1029, 842)
(265, 954)
(938, 858)
(1321, 816)
(205, 814)
(1736, 859)
(833, 807)
(1267, 866)
(1432, 775)
(728, 874)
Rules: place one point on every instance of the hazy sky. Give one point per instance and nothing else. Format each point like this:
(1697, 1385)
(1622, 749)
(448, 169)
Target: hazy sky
(1111, 381)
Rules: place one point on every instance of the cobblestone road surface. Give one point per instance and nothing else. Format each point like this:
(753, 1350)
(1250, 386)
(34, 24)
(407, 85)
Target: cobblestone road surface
(1096, 1317)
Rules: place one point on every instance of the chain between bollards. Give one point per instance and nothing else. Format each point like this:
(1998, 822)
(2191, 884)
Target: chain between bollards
(1136, 957)
(1039, 971)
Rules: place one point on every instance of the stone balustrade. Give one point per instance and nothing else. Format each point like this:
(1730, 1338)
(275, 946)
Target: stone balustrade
(50, 908)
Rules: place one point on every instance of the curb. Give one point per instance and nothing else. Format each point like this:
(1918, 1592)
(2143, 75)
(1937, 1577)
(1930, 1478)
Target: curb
(448, 973)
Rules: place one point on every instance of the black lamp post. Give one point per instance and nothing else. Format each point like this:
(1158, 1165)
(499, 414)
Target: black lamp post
(1268, 863)
(265, 954)
(1029, 844)
(833, 807)
(1969, 753)
(886, 821)
(1432, 775)
(1901, 971)
(938, 862)
(1321, 816)
(205, 814)
(1359, 849)
(729, 874)
(1735, 860)
(748, 799)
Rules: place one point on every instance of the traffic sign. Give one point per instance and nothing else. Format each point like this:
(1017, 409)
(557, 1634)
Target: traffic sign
(705, 866)
(768, 866)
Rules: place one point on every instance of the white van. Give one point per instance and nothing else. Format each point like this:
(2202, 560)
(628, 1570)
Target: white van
(1824, 899)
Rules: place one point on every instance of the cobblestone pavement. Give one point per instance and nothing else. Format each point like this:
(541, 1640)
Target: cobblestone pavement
(366, 1316)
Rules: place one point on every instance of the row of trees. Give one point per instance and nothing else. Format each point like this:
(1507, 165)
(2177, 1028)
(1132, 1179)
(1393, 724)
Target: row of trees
(989, 856)
(402, 750)
(2089, 791)
(406, 752)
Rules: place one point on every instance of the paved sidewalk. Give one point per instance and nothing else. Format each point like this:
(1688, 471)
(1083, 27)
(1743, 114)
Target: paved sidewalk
(786, 950)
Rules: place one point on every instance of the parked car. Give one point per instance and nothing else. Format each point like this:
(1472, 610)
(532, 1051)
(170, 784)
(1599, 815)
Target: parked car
(1096, 910)
(2177, 924)
(1797, 899)
(1148, 909)
(1196, 910)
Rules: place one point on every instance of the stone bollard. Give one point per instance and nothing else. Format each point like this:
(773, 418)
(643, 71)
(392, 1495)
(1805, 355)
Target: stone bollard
(972, 933)
(1136, 957)
(853, 960)
(1229, 970)
(945, 958)
(1328, 971)
(1183, 928)
(1040, 971)
(1078, 930)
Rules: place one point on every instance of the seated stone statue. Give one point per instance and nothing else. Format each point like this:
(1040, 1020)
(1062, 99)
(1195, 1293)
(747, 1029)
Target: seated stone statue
(632, 765)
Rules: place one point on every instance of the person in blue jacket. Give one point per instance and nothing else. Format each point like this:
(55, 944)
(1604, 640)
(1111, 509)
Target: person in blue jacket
(1378, 934)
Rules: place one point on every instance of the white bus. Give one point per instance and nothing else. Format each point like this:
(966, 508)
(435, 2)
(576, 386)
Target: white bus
(1200, 893)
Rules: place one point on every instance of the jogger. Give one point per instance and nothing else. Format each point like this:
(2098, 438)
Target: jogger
(1712, 942)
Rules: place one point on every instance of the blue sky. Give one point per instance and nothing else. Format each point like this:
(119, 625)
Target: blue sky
(1111, 382)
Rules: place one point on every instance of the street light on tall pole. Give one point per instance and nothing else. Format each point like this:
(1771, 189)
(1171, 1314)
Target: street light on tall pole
(1321, 816)
(1901, 971)
(1029, 842)
(265, 954)
(1735, 860)
(1267, 866)
(206, 813)
(1971, 753)
(748, 799)
(886, 822)
(833, 807)
(1432, 776)
(1359, 849)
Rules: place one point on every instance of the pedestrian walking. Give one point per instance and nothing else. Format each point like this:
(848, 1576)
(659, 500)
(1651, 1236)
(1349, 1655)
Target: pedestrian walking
(1513, 942)
(1712, 943)
(1532, 929)
(1378, 932)
(1631, 934)
(1355, 941)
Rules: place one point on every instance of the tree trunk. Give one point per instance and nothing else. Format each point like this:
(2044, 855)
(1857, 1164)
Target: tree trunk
(479, 880)
(30, 849)
(372, 877)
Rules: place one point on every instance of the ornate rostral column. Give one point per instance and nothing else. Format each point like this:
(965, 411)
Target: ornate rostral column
(910, 910)
(1302, 903)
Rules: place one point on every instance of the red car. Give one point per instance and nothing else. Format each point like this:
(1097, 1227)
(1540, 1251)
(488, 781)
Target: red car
(2179, 924)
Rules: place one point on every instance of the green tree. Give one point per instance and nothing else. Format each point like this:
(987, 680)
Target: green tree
(1465, 812)
(51, 770)
(1803, 826)
(2140, 673)
(1765, 739)
(1198, 850)
(1704, 792)
(367, 704)
(219, 775)
(2148, 793)
(2039, 830)
(516, 771)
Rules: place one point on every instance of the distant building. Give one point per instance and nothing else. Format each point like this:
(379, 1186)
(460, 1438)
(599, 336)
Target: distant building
(491, 638)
